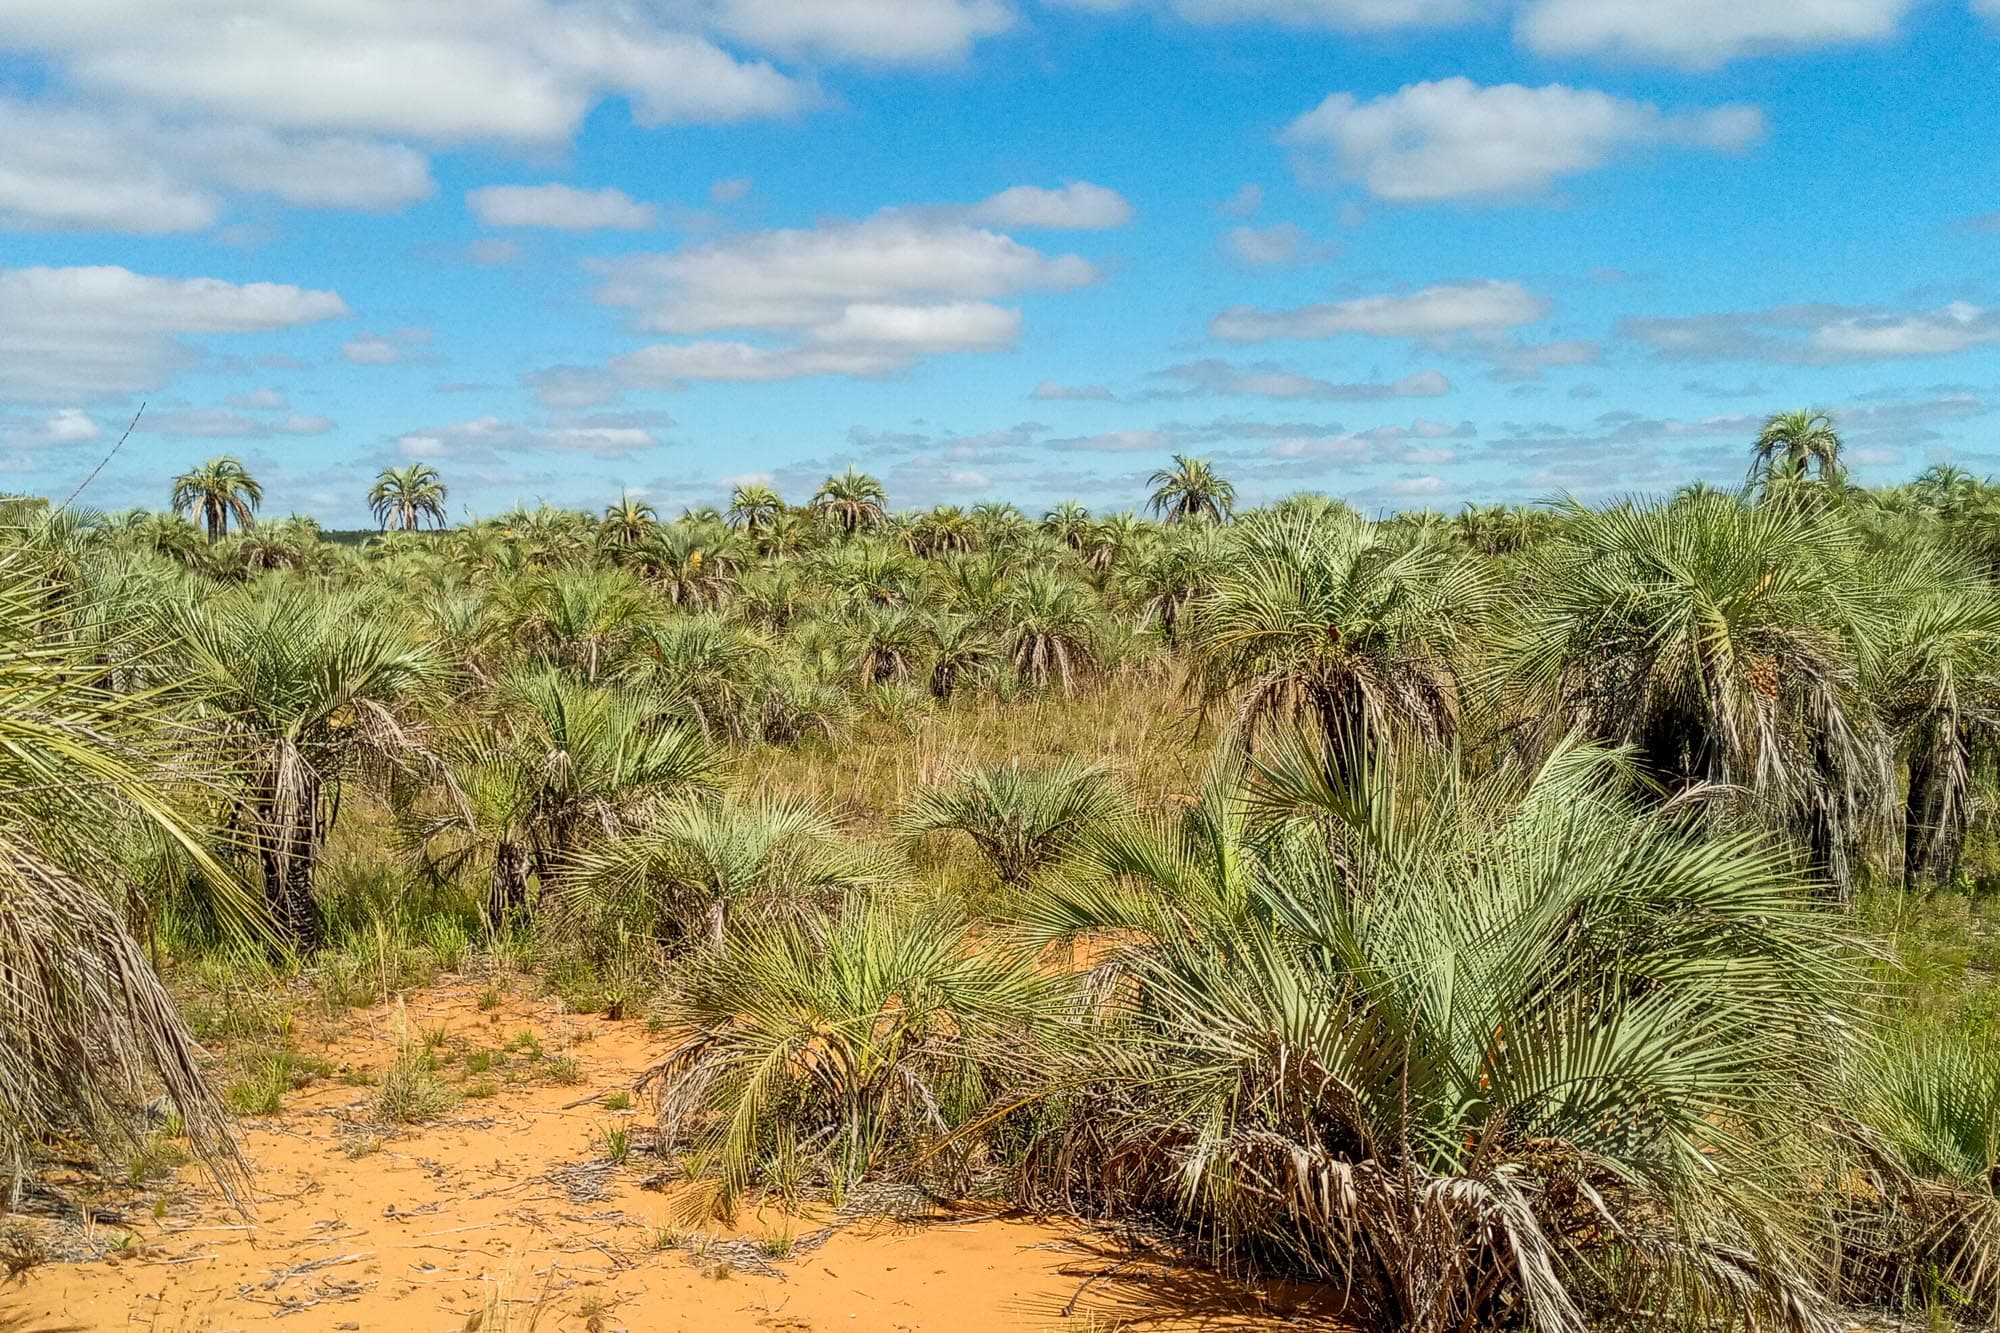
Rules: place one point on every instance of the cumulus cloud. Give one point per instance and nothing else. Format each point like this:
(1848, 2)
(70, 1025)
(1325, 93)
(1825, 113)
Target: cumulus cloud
(1213, 378)
(64, 168)
(394, 348)
(877, 31)
(1454, 139)
(1077, 206)
(1279, 243)
(486, 438)
(1345, 15)
(561, 207)
(208, 423)
(848, 298)
(66, 426)
(524, 71)
(68, 333)
(1116, 442)
(728, 191)
(1818, 334)
(1488, 306)
(1701, 34)
(1049, 391)
(258, 400)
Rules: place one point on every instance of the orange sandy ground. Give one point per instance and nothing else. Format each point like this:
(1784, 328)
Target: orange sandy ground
(457, 1225)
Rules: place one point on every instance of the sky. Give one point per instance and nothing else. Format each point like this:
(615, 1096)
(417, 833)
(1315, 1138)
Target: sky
(1412, 253)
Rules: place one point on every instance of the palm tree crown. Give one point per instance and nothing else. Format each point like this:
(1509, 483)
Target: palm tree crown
(215, 492)
(1190, 491)
(405, 498)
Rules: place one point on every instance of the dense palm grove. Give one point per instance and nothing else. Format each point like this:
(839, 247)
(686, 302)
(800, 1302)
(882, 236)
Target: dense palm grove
(1517, 958)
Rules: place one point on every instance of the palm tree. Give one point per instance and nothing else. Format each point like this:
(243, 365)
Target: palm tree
(1474, 1080)
(297, 686)
(1164, 576)
(1326, 622)
(754, 507)
(852, 502)
(1190, 491)
(857, 1043)
(405, 497)
(887, 641)
(88, 775)
(628, 523)
(216, 492)
(945, 530)
(1052, 629)
(580, 620)
(698, 862)
(1020, 819)
(560, 765)
(960, 651)
(1793, 445)
(1070, 524)
(1725, 643)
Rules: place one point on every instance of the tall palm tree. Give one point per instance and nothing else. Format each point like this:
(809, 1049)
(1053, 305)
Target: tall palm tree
(852, 502)
(405, 498)
(628, 523)
(216, 492)
(1794, 445)
(1190, 491)
(754, 507)
(298, 686)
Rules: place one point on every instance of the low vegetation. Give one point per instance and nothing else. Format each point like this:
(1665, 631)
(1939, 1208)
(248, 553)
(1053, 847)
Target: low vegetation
(1552, 918)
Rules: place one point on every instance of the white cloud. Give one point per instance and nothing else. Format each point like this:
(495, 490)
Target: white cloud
(1116, 442)
(215, 424)
(728, 191)
(1819, 334)
(561, 207)
(1453, 139)
(1483, 307)
(1249, 197)
(443, 70)
(1417, 486)
(258, 400)
(1701, 34)
(485, 438)
(1077, 206)
(72, 332)
(67, 168)
(1346, 15)
(394, 348)
(66, 426)
(1279, 243)
(1049, 391)
(1265, 380)
(864, 298)
(880, 31)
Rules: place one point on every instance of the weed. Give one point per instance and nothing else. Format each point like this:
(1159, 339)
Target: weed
(490, 998)
(481, 1062)
(618, 1101)
(564, 1070)
(482, 1089)
(411, 1091)
(617, 1144)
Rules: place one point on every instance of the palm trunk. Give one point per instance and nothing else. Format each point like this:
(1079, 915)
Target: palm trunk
(508, 892)
(287, 841)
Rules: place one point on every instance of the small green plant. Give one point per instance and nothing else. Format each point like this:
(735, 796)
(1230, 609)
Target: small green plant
(490, 998)
(411, 1091)
(525, 1042)
(482, 1089)
(617, 1144)
(564, 1069)
(618, 1101)
(157, 1157)
(479, 1062)
(262, 1091)
(779, 1242)
(363, 1145)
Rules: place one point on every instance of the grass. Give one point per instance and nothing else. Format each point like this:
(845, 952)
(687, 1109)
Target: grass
(617, 1141)
(411, 1091)
(617, 1101)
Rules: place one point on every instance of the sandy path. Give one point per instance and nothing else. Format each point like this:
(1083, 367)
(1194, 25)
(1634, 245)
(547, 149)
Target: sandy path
(504, 1216)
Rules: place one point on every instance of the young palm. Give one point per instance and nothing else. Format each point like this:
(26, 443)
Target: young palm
(1163, 577)
(1070, 523)
(216, 492)
(581, 620)
(1020, 819)
(708, 672)
(1793, 446)
(298, 688)
(1052, 630)
(888, 643)
(856, 1044)
(1190, 491)
(961, 651)
(853, 502)
(945, 530)
(1504, 1052)
(405, 498)
(696, 864)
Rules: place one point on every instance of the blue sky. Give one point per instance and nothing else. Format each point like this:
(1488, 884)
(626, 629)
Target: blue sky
(1409, 252)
